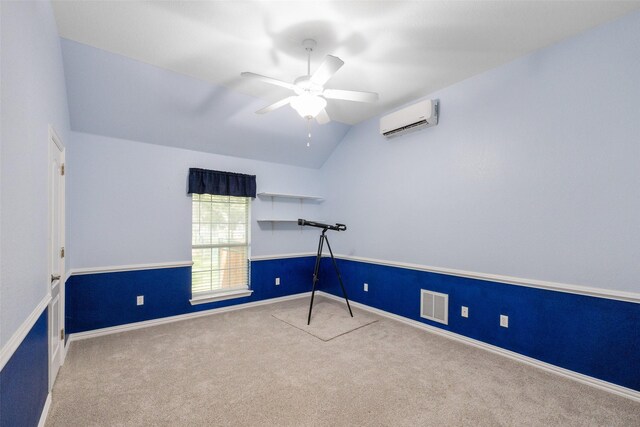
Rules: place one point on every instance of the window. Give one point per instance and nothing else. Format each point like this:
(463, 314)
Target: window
(219, 247)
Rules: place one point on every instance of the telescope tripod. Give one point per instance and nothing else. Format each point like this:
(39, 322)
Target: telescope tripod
(324, 239)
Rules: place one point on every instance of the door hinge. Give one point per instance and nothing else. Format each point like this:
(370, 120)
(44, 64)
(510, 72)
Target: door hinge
(62, 169)
(62, 334)
(62, 252)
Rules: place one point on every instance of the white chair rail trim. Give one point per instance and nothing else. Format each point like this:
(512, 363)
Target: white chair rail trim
(129, 267)
(509, 280)
(18, 336)
(282, 256)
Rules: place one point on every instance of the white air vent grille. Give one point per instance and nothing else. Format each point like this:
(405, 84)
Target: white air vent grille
(434, 306)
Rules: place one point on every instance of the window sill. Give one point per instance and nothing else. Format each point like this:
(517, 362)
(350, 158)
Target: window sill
(221, 296)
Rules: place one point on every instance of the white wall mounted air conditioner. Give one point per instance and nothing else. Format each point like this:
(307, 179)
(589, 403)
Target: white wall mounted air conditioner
(420, 115)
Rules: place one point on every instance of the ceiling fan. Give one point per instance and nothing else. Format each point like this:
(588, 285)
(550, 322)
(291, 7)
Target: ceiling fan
(310, 97)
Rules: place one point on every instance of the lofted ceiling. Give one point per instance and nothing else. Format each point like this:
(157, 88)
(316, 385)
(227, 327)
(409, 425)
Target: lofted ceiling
(404, 50)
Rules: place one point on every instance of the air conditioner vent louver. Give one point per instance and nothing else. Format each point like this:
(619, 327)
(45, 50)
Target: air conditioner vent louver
(419, 115)
(434, 306)
(405, 128)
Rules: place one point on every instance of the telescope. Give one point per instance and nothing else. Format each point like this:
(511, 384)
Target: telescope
(324, 239)
(337, 227)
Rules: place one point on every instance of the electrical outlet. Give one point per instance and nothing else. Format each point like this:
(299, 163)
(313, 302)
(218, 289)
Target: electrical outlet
(465, 311)
(504, 321)
(140, 300)
(366, 287)
(277, 281)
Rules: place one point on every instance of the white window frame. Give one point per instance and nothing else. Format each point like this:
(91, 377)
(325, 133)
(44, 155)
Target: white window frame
(230, 293)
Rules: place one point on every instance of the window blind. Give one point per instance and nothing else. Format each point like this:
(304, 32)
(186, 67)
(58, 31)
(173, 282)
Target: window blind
(220, 243)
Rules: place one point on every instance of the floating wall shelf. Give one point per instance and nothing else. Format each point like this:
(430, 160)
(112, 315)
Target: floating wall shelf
(280, 220)
(291, 196)
(287, 216)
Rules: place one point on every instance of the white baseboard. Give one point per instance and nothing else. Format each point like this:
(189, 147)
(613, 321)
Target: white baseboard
(66, 349)
(147, 323)
(45, 411)
(18, 336)
(581, 378)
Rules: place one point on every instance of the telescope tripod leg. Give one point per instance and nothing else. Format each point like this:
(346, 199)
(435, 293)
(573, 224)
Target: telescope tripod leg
(335, 265)
(315, 274)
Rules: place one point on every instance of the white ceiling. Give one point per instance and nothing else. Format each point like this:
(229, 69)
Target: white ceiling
(402, 50)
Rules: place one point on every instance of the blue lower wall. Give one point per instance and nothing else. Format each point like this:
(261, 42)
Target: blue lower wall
(593, 336)
(24, 380)
(100, 300)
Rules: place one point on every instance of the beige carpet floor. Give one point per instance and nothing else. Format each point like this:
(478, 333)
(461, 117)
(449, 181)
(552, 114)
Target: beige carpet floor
(329, 319)
(247, 368)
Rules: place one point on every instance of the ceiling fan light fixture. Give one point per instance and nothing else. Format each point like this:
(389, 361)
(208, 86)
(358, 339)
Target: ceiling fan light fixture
(307, 105)
(311, 97)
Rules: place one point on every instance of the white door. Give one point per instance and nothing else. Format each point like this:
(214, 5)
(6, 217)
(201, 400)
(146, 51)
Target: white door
(56, 255)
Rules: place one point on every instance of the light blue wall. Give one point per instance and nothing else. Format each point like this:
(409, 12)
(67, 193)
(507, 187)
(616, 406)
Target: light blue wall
(115, 96)
(128, 202)
(33, 96)
(533, 171)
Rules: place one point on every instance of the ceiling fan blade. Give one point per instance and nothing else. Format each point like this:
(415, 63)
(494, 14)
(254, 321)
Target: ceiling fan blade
(274, 106)
(350, 95)
(322, 117)
(266, 79)
(326, 70)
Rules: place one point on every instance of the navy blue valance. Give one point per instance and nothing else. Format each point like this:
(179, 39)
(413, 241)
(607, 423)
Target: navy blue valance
(204, 181)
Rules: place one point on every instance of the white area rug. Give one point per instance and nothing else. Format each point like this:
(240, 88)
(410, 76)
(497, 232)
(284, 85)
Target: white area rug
(329, 319)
